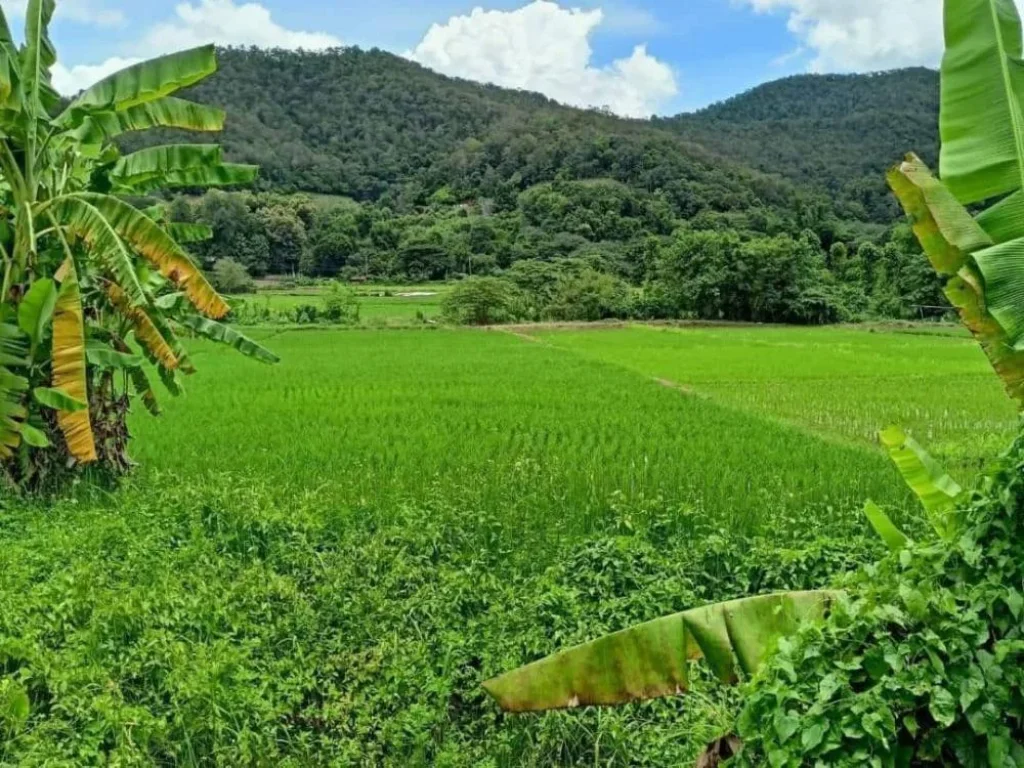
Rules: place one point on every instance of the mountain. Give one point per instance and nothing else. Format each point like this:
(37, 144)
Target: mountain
(376, 127)
(832, 133)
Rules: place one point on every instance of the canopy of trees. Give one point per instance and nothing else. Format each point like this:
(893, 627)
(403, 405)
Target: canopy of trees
(771, 206)
(375, 127)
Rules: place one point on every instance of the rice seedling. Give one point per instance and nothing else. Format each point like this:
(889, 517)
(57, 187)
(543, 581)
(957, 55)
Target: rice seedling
(843, 384)
(548, 438)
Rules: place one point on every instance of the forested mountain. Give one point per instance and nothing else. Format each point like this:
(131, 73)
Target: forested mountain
(769, 207)
(371, 126)
(833, 133)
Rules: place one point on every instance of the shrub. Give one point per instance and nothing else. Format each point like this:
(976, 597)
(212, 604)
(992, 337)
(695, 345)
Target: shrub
(483, 301)
(231, 277)
(590, 296)
(340, 305)
(921, 663)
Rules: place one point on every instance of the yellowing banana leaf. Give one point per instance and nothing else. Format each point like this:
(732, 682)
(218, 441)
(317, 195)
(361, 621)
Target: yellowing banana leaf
(80, 218)
(146, 332)
(156, 246)
(951, 237)
(651, 660)
(893, 537)
(69, 369)
(946, 230)
(936, 490)
(224, 334)
(146, 82)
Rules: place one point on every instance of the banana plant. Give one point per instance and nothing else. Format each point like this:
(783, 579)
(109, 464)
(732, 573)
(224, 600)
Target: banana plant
(84, 275)
(982, 259)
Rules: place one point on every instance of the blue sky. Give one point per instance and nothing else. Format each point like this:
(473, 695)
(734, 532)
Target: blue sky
(635, 56)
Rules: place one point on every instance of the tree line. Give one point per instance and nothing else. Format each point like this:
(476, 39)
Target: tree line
(576, 250)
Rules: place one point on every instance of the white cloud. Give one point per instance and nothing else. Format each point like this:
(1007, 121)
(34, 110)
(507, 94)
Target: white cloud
(71, 80)
(225, 23)
(544, 47)
(859, 35)
(206, 21)
(863, 35)
(81, 11)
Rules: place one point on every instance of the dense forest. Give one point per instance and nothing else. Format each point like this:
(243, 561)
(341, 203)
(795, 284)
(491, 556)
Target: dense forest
(830, 133)
(770, 206)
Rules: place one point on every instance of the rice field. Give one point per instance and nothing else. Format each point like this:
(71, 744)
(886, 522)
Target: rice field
(549, 438)
(843, 384)
(319, 562)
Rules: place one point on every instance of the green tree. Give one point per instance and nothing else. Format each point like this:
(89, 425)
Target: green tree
(287, 237)
(589, 296)
(229, 276)
(482, 301)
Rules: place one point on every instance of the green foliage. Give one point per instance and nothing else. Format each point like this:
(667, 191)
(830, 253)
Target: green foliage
(340, 305)
(919, 664)
(562, 228)
(212, 629)
(589, 295)
(716, 275)
(830, 132)
(231, 277)
(483, 301)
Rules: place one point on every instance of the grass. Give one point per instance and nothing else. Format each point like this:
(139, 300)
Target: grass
(844, 384)
(498, 423)
(378, 304)
(319, 562)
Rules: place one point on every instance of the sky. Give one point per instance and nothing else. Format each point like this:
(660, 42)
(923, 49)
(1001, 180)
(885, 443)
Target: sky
(634, 57)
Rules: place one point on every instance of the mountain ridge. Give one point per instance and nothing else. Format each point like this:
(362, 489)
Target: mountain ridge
(377, 127)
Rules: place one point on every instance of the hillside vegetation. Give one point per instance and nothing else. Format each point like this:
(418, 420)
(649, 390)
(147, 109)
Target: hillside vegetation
(829, 133)
(372, 126)
(373, 167)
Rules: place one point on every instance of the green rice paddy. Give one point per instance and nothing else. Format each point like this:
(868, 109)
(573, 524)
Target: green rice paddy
(317, 563)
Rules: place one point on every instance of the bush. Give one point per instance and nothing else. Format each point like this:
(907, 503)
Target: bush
(340, 305)
(483, 301)
(590, 296)
(231, 277)
(919, 664)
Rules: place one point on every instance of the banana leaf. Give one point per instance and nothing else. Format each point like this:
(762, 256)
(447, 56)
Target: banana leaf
(652, 660)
